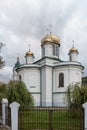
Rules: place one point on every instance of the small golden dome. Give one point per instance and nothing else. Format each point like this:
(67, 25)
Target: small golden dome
(29, 53)
(73, 49)
(51, 38)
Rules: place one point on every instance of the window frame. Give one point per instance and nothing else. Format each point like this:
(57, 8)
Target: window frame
(61, 79)
(55, 50)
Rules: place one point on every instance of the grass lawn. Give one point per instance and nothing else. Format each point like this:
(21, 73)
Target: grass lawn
(32, 119)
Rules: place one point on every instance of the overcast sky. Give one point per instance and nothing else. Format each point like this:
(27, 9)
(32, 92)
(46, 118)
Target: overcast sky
(24, 22)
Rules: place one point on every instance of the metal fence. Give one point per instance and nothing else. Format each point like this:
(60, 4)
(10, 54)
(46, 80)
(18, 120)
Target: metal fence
(50, 118)
(8, 116)
(0, 110)
(0, 113)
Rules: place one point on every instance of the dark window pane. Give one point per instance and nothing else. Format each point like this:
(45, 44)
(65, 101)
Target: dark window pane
(61, 80)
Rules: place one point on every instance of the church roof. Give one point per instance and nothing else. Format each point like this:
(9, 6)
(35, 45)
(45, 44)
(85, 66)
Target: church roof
(50, 38)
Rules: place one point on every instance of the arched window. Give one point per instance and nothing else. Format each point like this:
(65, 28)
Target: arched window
(61, 80)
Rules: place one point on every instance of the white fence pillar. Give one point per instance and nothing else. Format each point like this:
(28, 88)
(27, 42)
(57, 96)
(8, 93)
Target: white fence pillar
(14, 115)
(85, 115)
(4, 105)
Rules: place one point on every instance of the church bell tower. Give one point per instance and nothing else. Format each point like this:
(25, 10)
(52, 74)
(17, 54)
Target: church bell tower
(29, 56)
(50, 46)
(73, 54)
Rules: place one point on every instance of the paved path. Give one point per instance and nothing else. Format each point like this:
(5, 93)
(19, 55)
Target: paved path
(4, 127)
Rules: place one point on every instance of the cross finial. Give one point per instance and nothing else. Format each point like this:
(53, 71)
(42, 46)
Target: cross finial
(29, 46)
(73, 42)
(49, 29)
(17, 56)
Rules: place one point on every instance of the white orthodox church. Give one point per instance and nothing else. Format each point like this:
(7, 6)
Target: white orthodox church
(48, 78)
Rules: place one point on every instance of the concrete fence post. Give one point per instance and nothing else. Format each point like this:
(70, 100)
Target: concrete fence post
(85, 115)
(14, 115)
(4, 105)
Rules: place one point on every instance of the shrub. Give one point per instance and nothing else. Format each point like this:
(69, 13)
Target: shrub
(75, 97)
(16, 91)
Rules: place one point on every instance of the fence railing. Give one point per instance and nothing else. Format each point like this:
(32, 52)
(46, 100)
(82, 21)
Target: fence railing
(8, 116)
(50, 118)
(0, 113)
(44, 118)
(0, 110)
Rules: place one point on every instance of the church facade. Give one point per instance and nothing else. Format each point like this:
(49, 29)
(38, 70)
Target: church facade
(48, 78)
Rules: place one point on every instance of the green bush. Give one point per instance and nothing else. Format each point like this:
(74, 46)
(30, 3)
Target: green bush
(17, 91)
(2, 91)
(75, 97)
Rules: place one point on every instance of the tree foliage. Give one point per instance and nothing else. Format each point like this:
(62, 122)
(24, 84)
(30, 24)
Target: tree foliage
(17, 91)
(84, 80)
(2, 91)
(76, 95)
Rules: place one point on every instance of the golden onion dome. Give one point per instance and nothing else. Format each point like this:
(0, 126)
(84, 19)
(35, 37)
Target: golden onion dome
(73, 49)
(29, 53)
(50, 38)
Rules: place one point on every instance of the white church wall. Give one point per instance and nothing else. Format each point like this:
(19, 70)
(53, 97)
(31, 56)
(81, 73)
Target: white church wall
(72, 74)
(59, 99)
(43, 86)
(29, 60)
(73, 57)
(46, 85)
(15, 75)
(36, 99)
(48, 49)
(49, 86)
(31, 77)
(75, 75)
(56, 72)
(21, 73)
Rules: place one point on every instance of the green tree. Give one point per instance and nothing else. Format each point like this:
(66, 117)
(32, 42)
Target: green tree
(84, 80)
(76, 95)
(17, 91)
(2, 91)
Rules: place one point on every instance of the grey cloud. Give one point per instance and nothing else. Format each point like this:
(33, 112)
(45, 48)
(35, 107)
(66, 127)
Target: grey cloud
(25, 21)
